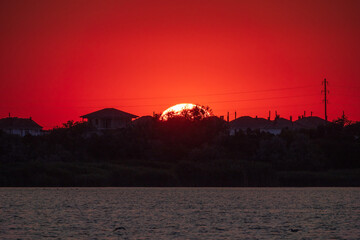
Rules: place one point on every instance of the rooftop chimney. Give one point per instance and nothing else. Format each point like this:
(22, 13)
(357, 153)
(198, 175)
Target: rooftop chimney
(276, 115)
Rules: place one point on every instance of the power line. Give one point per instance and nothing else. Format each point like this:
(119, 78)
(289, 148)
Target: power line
(347, 104)
(186, 96)
(345, 86)
(260, 99)
(218, 94)
(273, 106)
(346, 95)
(239, 100)
(211, 94)
(225, 101)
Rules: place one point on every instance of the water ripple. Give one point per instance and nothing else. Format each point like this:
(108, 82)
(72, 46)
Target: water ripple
(180, 213)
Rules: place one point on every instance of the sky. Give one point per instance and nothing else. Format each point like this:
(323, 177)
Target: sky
(61, 59)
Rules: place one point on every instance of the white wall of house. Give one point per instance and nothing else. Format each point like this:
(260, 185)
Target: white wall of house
(274, 131)
(109, 123)
(23, 132)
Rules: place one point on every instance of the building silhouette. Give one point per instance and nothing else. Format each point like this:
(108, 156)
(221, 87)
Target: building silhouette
(109, 118)
(20, 126)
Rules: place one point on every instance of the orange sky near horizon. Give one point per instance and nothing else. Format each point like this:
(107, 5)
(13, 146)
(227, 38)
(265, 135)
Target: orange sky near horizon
(63, 59)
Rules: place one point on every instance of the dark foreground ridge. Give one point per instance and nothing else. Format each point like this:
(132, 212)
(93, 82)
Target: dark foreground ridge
(180, 152)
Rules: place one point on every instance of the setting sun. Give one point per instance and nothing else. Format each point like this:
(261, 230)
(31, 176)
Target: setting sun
(178, 109)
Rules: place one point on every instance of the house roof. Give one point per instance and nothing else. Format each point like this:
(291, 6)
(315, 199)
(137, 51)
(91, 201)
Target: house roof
(280, 123)
(249, 122)
(310, 122)
(19, 123)
(109, 113)
(144, 120)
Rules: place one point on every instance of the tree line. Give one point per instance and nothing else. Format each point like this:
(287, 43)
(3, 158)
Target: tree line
(182, 151)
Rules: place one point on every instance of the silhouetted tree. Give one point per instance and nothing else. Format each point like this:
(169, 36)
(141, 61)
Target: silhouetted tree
(195, 113)
(342, 121)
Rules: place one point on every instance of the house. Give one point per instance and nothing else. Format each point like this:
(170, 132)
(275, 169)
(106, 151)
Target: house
(144, 121)
(273, 126)
(20, 126)
(310, 122)
(109, 118)
(246, 122)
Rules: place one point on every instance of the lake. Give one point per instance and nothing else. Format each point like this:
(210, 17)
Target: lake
(179, 213)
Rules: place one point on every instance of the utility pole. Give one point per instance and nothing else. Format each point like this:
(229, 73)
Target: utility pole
(325, 91)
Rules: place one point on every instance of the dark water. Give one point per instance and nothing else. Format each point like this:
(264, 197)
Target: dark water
(180, 213)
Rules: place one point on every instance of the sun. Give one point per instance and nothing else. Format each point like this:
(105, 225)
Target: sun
(178, 110)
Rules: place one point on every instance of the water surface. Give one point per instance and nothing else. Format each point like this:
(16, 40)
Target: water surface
(179, 213)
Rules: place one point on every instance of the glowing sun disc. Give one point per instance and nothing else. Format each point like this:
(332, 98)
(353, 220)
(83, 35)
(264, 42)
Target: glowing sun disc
(178, 108)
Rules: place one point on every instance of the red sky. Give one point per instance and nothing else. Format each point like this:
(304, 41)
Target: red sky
(62, 59)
